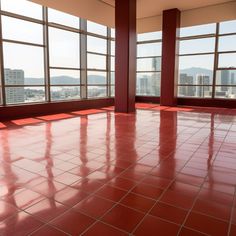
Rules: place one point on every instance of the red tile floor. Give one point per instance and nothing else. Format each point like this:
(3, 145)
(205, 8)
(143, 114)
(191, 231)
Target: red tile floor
(161, 171)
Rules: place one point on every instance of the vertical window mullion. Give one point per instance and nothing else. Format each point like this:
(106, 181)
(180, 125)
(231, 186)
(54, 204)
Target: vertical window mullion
(108, 66)
(215, 61)
(3, 93)
(46, 55)
(83, 59)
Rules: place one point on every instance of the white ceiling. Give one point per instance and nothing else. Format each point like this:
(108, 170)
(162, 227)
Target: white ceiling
(149, 8)
(149, 12)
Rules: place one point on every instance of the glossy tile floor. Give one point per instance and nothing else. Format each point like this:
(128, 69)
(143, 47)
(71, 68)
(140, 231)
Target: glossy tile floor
(161, 171)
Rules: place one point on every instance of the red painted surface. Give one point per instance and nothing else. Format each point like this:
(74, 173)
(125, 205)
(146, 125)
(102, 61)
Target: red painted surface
(205, 102)
(170, 47)
(125, 61)
(200, 102)
(28, 110)
(148, 99)
(165, 171)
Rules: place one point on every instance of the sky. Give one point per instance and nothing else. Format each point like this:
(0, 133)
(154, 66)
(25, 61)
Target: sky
(64, 45)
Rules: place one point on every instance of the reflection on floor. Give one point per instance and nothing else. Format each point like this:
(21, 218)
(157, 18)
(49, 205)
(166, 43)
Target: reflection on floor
(161, 171)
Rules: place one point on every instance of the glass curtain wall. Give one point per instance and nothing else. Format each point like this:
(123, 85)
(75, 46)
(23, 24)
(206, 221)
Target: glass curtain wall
(48, 55)
(149, 64)
(207, 56)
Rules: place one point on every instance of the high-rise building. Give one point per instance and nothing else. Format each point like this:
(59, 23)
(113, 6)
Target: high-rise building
(201, 89)
(156, 77)
(14, 94)
(225, 77)
(144, 88)
(188, 91)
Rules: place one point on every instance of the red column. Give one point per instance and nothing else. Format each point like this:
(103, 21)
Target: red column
(125, 61)
(170, 50)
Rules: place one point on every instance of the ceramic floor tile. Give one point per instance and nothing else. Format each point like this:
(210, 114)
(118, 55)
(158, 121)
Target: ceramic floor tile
(66, 222)
(105, 230)
(92, 164)
(152, 226)
(123, 218)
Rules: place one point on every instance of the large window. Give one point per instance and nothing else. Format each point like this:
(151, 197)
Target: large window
(97, 55)
(54, 56)
(226, 57)
(23, 53)
(148, 64)
(196, 61)
(207, 67)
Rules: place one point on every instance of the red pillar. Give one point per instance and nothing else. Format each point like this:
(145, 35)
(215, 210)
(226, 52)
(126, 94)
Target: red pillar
(170, 50)
(125, 61)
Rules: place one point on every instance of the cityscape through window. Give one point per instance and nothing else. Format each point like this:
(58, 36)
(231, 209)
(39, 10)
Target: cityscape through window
(55, 56)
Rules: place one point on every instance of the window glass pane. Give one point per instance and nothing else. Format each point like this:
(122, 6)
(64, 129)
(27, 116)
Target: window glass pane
(112, 63)
(225, 92)
(227, 60)
(112, 77)
(22, 7)
(149, 64)
(64, 48)
(96, 61)
(198, 30)
(149, 50)
(227, 43)
(97, 91)
(65, 92)
(25, 31)
(28, 59)
(62, 18)
(112, 91)
(62, 77)
(150, 36)
(228, 27)
(16, 95)
(96, 28)
(197, 46)
(195, 66)
(97, 77)
(113, 33)
(195, 91)
(226, 77)
(148, 84)
(112, 48)
(96, 45)
(0, 95)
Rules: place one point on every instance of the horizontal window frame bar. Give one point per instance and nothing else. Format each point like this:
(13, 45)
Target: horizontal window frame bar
(63, 68)
(21, 17)
(21, 86)
(95, 69)
(225, 52)
(147, 71)
(97, 85)
(66, 85)
(196, 54)
(146, 57)
(225, 68)
(225, 85)
(226, 34)
(200, 36)
(22, 43)
(195, 85)
(150, 41)
(97, 53)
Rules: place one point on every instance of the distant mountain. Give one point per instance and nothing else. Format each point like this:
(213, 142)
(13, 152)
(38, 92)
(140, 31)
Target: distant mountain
(60, 80)
(193, 71)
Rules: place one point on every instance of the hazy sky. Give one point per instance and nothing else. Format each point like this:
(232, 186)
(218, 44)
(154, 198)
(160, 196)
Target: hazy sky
(64, 46)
